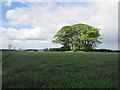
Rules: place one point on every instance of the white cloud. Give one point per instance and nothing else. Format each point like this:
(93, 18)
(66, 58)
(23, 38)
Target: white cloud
(24, 34)
(45, 16)
(25, 38)
(8, 4)
(107, 20)
(18, 17)
(48, 19)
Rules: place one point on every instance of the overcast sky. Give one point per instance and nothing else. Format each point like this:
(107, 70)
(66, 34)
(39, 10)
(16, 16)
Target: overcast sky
(33, 25)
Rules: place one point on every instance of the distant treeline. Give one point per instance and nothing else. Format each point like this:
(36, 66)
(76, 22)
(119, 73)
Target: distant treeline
(105, 50)
(93, 50)
(7, 50)
(20, 50)
(62, 49)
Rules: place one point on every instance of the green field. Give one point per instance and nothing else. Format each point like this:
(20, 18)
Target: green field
(59, 69)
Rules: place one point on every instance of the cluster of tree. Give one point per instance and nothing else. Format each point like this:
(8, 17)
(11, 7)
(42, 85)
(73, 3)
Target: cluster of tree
(10, 48)
(13, 48)
(78, 37)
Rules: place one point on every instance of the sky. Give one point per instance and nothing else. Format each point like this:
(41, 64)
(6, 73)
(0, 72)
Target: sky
(33, 24)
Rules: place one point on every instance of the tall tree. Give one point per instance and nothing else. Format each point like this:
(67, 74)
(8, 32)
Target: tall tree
(78, 36)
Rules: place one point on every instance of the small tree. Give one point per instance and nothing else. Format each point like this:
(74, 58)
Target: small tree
(14, 47)
(9, 46)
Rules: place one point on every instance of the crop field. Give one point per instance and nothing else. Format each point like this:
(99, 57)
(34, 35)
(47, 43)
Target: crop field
(59, 69)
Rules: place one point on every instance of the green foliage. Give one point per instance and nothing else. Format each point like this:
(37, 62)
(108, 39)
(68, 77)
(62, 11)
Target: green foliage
(65, 48)
(59, 70)
(82, 36)
(74, 50)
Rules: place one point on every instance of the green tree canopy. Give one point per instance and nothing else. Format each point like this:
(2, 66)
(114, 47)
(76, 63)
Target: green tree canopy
(78, 36)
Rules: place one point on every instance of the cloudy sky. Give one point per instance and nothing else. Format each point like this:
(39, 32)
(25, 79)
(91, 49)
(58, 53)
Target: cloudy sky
(33, 24)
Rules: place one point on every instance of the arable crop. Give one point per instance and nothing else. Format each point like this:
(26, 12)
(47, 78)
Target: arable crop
(59, 69)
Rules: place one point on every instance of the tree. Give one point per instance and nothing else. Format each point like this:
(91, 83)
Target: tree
(78, 37)
(14, 47)
(9, 46)
(86, 37)
(20, 49)
(63, 37)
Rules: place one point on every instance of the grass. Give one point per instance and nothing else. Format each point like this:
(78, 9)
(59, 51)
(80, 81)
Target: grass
(59, 70)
